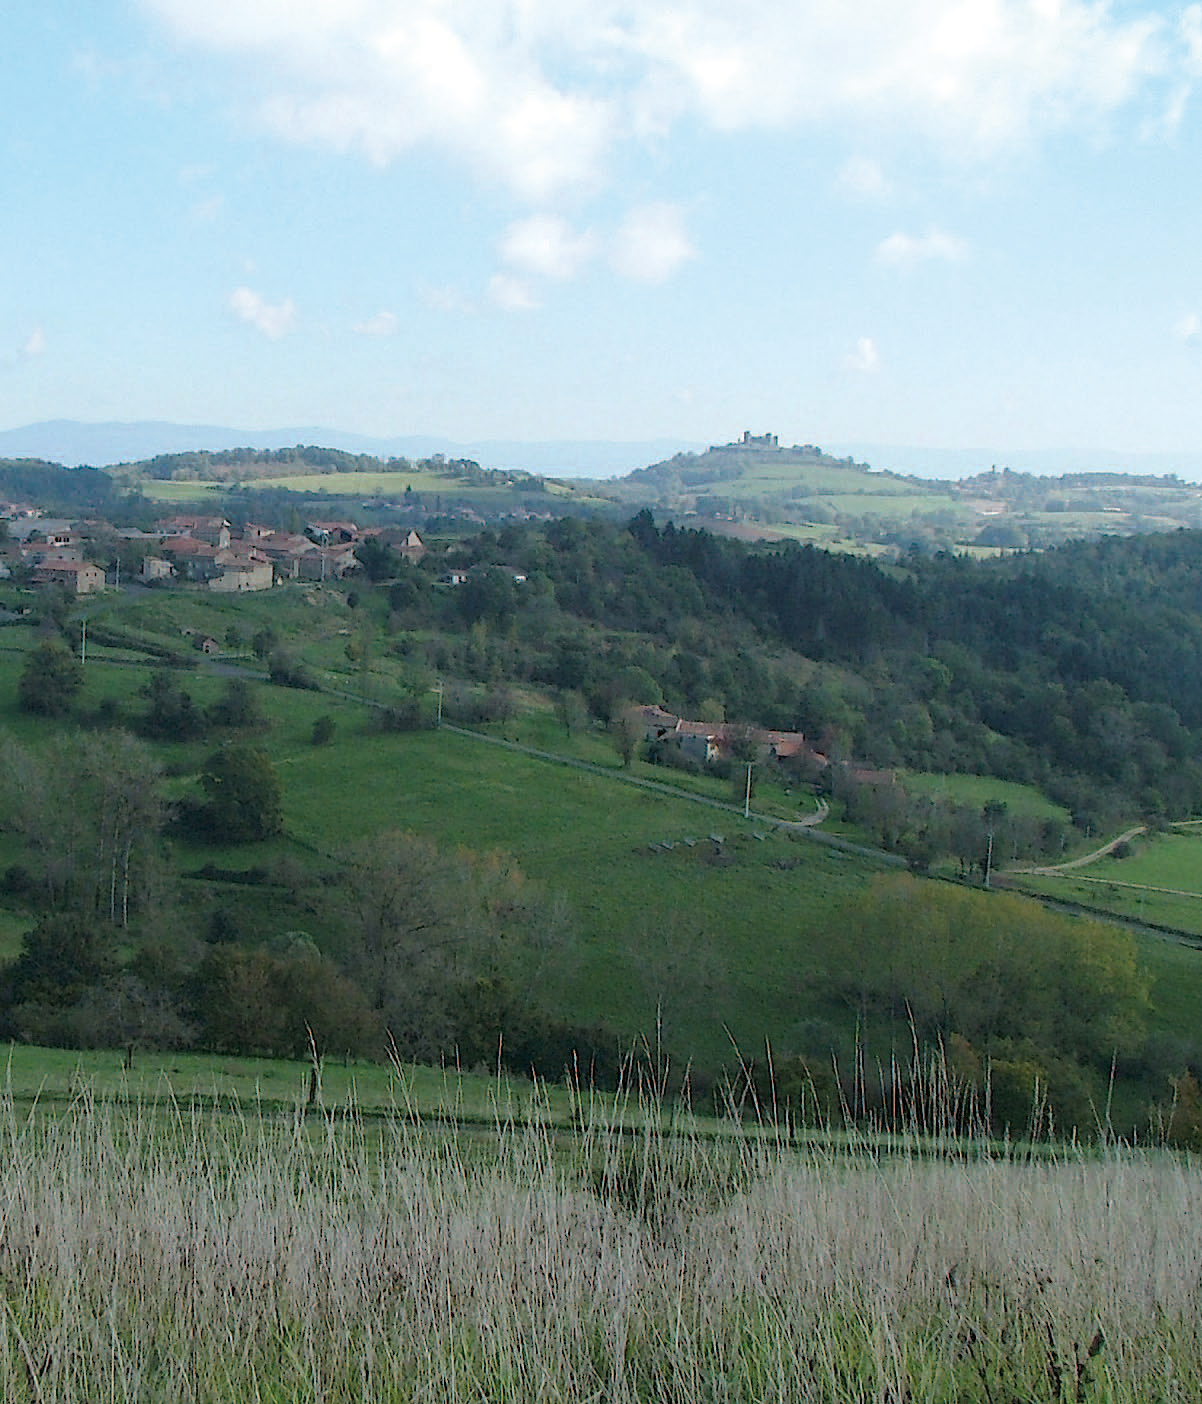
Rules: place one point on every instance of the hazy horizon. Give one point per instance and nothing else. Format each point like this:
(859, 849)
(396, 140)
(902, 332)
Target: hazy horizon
(102, 445)
(962, 224)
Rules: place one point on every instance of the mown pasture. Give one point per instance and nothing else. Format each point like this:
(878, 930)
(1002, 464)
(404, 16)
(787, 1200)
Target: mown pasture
(763, 473)
(386, 483)
(688, 926)
(1157, 880)
(688, 923)
(978, 790)
(56, 1077)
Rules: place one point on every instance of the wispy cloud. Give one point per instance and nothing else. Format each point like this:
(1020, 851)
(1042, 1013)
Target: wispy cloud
(272, 319)
(382, 324)
(863, 177)
(904, 250)
(511, 294)
(649, 246)
(207, 211)
(33, 345)
(1189, 329)
(546, 246)
(865, 357)
(652, 244)
(446, 298)
(536, 94)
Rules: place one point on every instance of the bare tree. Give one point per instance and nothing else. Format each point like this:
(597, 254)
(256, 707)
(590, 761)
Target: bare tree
(420, 924)
(129, 815)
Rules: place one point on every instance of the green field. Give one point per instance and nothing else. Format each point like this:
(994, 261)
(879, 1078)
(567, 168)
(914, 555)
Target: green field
(709, 950)
(763, 473)
(1159, 883)
(162, 490)
(1169, 860)
(382, 484)
(54, 1076)
(374, 485)
(979, 790)
(705, 942)
(807, 533)
(685, 924)
(891, 503)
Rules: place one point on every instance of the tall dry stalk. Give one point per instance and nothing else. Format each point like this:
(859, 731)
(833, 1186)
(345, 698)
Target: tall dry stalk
(168, 1253)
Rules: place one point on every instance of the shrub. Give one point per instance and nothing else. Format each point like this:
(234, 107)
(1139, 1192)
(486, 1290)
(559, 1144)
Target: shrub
(51, 678)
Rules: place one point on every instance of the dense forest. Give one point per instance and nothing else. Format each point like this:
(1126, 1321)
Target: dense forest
(58, 490)
(235, 464)
(1077, 669)
(206, 465)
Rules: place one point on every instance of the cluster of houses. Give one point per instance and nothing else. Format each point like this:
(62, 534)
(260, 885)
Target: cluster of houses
(51, 549)
(202, 550)
(708, 742)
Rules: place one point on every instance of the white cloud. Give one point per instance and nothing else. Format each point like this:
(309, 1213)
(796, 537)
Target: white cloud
(534, 93)
(1189, 329)
(970, 73)
(33, 345)
(545, 245)
(1191, 35)
(511, 294)
(865, 179)
(904, 250)
(865, 357)
(651, 244)
(382, 324)
(382, 77)
(272, 319)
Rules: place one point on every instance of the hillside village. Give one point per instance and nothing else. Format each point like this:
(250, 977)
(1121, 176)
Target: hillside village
(706, 742)
(913, 716)
(201, 551)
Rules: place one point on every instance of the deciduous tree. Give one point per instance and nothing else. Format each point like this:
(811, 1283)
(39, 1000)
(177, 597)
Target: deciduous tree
(244, 798)
(50, 680)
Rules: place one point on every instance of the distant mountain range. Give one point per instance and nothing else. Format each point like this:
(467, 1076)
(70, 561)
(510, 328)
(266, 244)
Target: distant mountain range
(953, 464)
(72, 443)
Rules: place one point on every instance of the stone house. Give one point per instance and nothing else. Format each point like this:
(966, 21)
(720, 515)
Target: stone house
(77, 576)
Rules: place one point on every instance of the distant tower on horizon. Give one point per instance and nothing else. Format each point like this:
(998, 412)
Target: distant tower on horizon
(759, 441)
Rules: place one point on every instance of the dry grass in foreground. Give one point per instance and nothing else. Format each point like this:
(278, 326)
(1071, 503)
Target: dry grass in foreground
(150, 1254)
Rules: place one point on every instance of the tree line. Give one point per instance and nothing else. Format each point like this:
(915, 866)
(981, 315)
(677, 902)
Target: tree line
(1078, 670)
(387, 941)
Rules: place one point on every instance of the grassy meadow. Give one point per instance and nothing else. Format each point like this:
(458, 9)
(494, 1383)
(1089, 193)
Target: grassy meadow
(764, 473)
(384, 484)
(684, 924)
(688, 923)
(56, 1078)
(187, 1229)
(184, 492)
(180, 1253)
(1157, 881)
(979, 790)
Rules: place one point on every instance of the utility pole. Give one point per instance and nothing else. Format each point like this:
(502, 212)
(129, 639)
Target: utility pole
(747, 797)
(83, 640)
(438, 690)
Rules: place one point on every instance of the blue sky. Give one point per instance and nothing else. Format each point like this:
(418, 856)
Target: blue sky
(943, 223)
